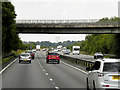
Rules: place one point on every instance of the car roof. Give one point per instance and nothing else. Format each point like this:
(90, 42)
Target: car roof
(25, 53)
(109, 60)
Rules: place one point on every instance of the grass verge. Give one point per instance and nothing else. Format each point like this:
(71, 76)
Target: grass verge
(17, 53)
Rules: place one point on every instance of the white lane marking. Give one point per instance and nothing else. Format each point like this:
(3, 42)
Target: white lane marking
(74, 67)
(39, 64)
(57, 88)
(7, 66)
(43, 69)
(51, 79)
(46, 74)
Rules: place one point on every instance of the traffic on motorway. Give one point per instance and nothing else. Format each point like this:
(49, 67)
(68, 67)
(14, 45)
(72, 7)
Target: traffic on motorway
(104, 74)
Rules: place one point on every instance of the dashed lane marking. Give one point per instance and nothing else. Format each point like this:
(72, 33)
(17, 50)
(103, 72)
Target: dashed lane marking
(43, 69)
(74, 67)
(46, 74)
(51, 79)
(57, 88)
(7, 66)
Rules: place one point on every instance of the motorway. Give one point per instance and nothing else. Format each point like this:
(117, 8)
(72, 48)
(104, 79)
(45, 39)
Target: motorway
(38, 74)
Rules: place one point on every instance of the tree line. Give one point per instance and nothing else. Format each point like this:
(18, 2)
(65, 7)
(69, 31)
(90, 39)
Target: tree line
(105, 43)
(10, 40)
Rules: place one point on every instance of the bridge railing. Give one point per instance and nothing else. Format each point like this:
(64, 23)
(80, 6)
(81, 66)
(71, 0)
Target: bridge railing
(69, 23)
(58, 21)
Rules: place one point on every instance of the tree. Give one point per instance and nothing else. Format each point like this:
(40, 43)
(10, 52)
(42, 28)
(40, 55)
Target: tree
(10, 40)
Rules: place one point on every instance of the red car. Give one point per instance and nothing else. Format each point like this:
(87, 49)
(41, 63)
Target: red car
(53, 57)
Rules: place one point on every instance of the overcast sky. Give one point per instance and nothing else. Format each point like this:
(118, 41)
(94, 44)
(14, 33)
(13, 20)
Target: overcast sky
(63, 9)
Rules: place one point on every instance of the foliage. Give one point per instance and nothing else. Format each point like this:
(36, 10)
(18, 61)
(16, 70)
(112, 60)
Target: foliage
(105, 43)
(112, 20)
(47, 44)
(10, 39)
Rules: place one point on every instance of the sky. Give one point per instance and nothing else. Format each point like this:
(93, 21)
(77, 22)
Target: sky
(62, 9)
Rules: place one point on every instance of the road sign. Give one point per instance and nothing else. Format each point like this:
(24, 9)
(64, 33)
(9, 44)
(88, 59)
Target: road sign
(30, 47)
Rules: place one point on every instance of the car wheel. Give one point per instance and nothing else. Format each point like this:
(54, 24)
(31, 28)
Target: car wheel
(87, 84)
(94, 88)
(58, 62)
(47, 61)
(94, 57)
(19, 61)
(30, 61)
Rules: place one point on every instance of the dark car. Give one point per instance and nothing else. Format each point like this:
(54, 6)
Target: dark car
(52, 57)
(31, 53)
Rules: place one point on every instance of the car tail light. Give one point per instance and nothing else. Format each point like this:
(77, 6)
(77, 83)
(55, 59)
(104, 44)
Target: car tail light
(105, 85)
(57, 56)
(48, 56)
(101, 74)
(29, 57)
(32, 54)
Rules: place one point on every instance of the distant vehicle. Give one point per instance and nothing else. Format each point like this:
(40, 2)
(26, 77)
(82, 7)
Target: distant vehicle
(25, 57)
(59, 48)
(34, 50)
(104, 75)
(55, 50)
(76, 50)
(31, 53)
(98, 55)
(66, 51)
(37, 47)
(44, 49)
(52, 57)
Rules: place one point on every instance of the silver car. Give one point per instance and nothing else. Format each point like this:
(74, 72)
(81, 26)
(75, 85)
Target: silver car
(98, 55)
(25, 57)
(104, 75)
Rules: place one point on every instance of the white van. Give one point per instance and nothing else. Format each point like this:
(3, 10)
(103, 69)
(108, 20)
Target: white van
(76, 50)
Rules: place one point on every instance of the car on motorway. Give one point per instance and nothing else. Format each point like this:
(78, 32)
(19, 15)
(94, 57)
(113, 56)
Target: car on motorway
(25, 57)
(31, 53)
(34, 50)
(104, 75)
(66, 51)
(98, 55)
(52, 57)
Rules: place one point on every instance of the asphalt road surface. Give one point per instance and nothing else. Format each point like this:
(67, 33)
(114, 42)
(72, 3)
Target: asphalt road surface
(38, 74)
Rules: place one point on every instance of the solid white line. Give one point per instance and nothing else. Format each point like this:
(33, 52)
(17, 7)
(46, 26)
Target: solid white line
(7, 66)
(74, 67)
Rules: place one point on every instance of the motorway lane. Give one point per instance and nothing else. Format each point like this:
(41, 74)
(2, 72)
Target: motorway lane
(25, 75)
(38, 74)
(63, 75)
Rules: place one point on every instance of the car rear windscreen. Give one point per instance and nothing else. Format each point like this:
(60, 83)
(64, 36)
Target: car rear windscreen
(112, 67)
(76, 49)
(52, 54)
(25, 55)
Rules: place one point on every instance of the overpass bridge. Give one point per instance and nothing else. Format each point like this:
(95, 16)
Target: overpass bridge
(86, 26)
